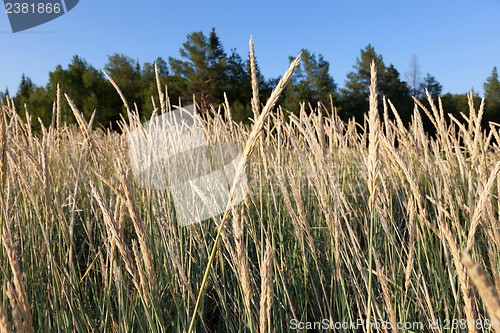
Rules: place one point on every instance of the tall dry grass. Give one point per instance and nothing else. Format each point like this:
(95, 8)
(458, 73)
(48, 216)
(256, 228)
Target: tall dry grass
(343, 221)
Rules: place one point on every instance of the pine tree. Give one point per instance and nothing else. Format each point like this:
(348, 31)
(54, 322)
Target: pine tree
(4, 95)
(397, 91)
(359, 79)
(24, 93)
(36, 100)
(354, 100)
(204, 69)
(432, 85)
(492, 96)
(239, 87)
(311, 82)
(26, 87)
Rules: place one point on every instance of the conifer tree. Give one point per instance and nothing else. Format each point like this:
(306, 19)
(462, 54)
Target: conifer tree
(203, 70)
(492, 96)
(432, 85)
(354, 100)
(311, 83)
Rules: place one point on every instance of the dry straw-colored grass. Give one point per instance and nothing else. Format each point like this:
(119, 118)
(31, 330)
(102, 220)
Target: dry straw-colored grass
(488, 292)
(343, 221)
(3, 146)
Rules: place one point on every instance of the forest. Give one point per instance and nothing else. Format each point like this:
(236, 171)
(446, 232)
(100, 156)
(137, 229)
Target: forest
(208, 73)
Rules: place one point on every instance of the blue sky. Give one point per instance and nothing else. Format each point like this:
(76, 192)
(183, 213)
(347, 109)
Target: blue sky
(456, 41)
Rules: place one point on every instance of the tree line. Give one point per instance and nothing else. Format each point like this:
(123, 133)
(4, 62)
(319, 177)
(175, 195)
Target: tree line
(205, 72)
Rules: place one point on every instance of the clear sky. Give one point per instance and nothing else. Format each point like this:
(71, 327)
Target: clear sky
(456, 41)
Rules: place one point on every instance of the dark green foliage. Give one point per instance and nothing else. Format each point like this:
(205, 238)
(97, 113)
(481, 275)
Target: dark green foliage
(492, 97)
(4, 95)
(311, 83)
(127, 76)
(238, 87)
(148, 87)
(432, 85)
(455, 104)
(25, 88)
(397, 91)
(88, 89)
(203, 69)
(35, 100)
(354, 102)
(206, 73)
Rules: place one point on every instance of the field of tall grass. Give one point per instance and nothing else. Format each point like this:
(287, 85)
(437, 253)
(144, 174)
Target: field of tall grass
(343, 222)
